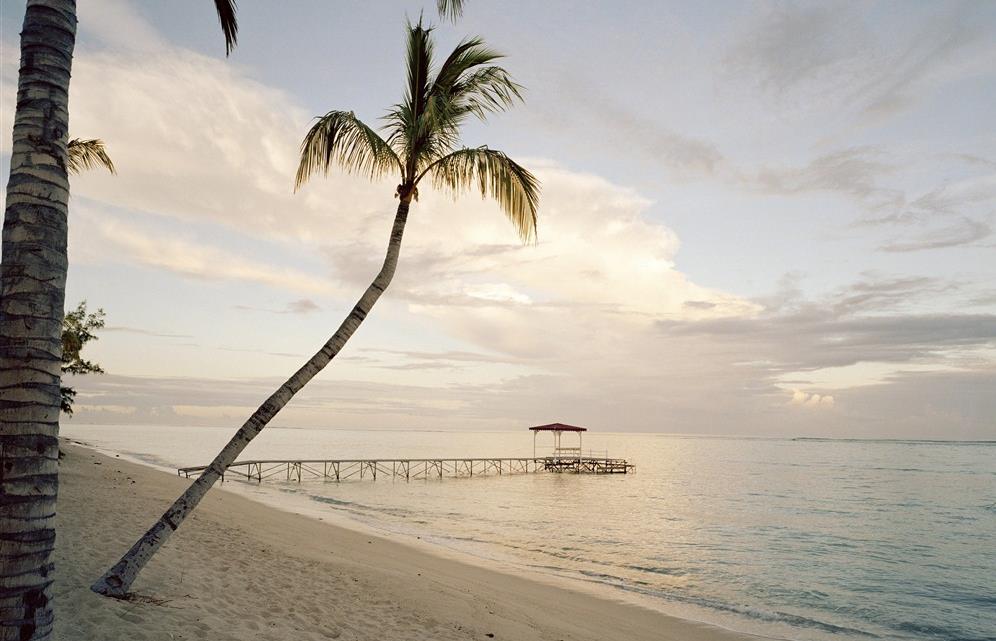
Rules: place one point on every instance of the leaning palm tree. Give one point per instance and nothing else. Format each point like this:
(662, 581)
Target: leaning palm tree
(419, 143)
(32, 295)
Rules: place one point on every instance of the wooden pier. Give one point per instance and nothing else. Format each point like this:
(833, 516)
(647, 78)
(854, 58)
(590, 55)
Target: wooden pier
(563, 460)
(412, 469)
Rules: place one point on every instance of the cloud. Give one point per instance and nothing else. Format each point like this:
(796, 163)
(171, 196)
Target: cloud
(965, 232)
(853, 171)
(790, 46)
(815, 338)
(811, 400)
(838, 59)
(596, 323)
(863, 174)
(906, 405)
(301, 306)
(142, 332)
(260, 351)
(424, 365)
(226, 158)
(683, 156)
(973, 159)
(859, 335)
(226, 161)
(699, 304)
(876, 293)
(956, 213)
(457, 356)
(110, 239)
(585, 295)
(952, 197)
(934, 404)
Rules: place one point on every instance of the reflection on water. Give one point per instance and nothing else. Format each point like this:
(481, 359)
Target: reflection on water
(804, 539)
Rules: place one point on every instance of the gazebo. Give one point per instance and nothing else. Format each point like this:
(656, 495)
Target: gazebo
(558, 429)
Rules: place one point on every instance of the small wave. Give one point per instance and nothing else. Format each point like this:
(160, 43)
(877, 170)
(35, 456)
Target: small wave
(741, 610)
(891, 441)
(358, 508)
(937, 631)
(658, 570)
(331, 501)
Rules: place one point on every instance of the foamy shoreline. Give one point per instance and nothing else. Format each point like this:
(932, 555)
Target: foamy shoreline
(239, 569)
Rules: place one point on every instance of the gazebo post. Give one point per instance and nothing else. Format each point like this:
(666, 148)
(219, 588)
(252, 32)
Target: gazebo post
(562, 458)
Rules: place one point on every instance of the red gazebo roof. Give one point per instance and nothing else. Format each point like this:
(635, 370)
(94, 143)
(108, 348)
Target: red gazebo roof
(558, 427)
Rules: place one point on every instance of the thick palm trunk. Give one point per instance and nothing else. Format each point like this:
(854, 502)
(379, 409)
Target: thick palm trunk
(118, 580)
(32, 292)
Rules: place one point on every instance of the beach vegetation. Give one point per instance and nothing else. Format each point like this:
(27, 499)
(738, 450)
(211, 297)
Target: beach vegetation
(79, 327)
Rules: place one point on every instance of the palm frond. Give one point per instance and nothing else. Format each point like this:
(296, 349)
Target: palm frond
(465, 84)
(471, 83)
(425, 126)
(451, 9)
(339, 136)
(87, 154)
(469, 53)
(489, 89)
(407, 125)
(422, 132)
(496, 176)
(420, 51)
(229, 24)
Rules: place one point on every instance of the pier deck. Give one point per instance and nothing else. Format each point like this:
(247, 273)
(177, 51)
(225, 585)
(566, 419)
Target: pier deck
(412, 469)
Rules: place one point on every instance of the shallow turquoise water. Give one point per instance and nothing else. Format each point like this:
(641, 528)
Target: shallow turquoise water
(799, 539)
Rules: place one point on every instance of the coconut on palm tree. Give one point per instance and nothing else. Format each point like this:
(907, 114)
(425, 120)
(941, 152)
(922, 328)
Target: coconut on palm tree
(32, 295)
(419, 144)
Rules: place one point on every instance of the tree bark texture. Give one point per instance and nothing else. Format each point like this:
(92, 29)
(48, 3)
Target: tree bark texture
(32, 293)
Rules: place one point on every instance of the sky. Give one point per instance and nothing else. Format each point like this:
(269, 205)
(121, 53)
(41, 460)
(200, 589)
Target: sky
(767, 218)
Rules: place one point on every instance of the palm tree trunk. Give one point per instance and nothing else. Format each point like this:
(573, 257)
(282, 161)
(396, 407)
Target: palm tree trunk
(32, 293)
(117, 581)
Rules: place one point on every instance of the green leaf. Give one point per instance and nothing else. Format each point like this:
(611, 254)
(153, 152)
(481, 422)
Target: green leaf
(87, 154)
(229, 25)
(496, 176)
(340, 137)
(451, 9)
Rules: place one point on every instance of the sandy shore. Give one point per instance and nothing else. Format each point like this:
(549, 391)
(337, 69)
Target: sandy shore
(242, 571)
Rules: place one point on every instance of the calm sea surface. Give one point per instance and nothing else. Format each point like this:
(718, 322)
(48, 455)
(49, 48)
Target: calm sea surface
(797, 539)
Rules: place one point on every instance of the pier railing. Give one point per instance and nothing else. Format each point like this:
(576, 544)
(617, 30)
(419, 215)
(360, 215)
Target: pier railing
(411, 469)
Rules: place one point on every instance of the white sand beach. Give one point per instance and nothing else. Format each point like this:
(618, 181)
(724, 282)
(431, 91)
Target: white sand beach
(240, 570)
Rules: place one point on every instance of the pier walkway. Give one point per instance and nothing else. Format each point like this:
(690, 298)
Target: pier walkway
(412, 469)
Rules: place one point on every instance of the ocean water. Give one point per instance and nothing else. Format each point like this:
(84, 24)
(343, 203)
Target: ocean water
(794, 539)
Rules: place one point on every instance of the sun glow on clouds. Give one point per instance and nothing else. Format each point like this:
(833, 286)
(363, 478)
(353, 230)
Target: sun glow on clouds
(498, 292)
(591, 288)
(812, 400)
(596, 320)
(596, 250)
(109, 239)
(227, 159)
